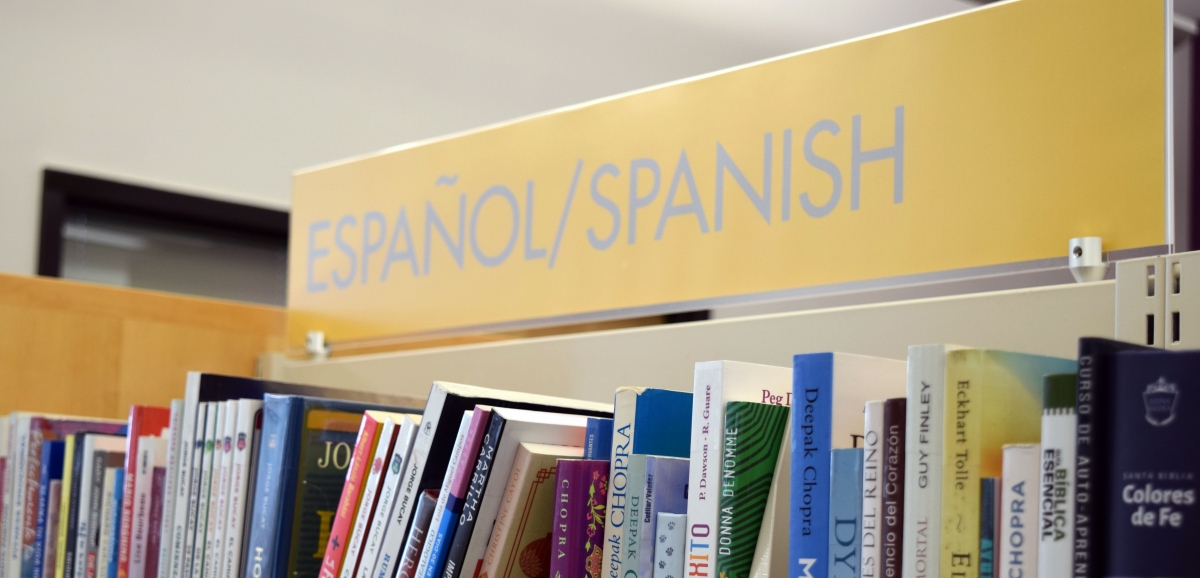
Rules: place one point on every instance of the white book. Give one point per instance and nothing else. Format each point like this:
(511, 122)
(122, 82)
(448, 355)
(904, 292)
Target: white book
(717, 383)
(520, 426)
(872, 507)
(668, 545)
(92, 443)
(1057, 528)
(440, 510)
(104, 550)
(923, 460)
(148, 447)
(381, 525)
(10, 536)
(187, 481)
(240, 478)
(367, 504)
(174, 433)
(1018, 544)
(771, 551)
(199, 515)
(442, 396)
(219, 506)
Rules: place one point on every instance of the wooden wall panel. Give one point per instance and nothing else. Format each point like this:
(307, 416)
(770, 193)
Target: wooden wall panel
(84, 349)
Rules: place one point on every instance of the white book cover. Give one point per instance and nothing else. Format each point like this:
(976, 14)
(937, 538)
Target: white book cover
(240, 478)
(104, 550)
(219, 506)
(1018, 544)
(198, 517)
(520, 426)
(143, 480)
(771, 551)
(440, 510)
(624, 416)
(186, 479)
(174, 433)
(380, 526)
(388, 431)
(872, 507)
(92, 443)
(923, 460)
(430, 425)
(668, 545)
(717, 383)
(1057, 528)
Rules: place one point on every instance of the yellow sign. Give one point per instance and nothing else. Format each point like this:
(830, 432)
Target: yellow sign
(989, 137)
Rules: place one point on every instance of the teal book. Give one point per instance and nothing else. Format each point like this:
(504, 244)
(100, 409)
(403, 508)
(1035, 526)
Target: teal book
(845, 512)
(753, 435)
(635, 502)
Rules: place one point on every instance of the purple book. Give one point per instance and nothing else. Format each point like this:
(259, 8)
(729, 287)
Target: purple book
(157, 487)
(578, 533)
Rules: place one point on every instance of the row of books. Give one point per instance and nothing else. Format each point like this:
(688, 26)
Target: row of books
(954, 462)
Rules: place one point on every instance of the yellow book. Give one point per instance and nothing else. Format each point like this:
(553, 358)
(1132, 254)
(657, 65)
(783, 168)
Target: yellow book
(65, 507)
(992, 398)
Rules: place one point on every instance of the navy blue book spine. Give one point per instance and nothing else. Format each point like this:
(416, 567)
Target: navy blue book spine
(989, 496)
(277, 462)
(480, 478)
(598, 439)
(52, 466)
(1091, 451)
(1153, 521)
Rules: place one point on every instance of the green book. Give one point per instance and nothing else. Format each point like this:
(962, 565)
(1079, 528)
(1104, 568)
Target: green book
(753, 436)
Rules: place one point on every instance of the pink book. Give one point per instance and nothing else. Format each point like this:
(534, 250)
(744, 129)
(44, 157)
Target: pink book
(364, 449)
(157, 489)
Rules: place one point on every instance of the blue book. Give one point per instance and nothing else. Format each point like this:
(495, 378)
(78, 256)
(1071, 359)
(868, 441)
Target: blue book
(666, 492)
(115, 522)
(598, 441)
(1152, 521)
(845, 512)
(303, 457)
(989, 504)
(829, 392)
(645, 421)
(52, 469)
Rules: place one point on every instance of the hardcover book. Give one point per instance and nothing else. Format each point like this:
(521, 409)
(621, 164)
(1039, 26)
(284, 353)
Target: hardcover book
(669, 545)
(996, 400)
(666, 492)
(1057, 524)
(830, 391)
(895, 414)
(753, 434)
(144, 420)
(432, 448)
(415, 544)
(1018, 511)
(717, 383)
(845, 512)
(1153, 522)
(578, 518)
(872, 507)
(646, 421)
(520, 543)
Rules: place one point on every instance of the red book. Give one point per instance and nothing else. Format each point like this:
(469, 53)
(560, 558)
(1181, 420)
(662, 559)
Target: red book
(581, 490)
(144, 420)
(356, 474)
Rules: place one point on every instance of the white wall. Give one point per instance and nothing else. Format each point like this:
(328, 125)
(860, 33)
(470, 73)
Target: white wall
(227, 98)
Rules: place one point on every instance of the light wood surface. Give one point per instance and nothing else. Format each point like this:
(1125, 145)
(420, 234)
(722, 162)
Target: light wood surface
(84, 349)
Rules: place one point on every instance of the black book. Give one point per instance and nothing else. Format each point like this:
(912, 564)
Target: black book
(1093, 393)
(479, 480)
(895, 417)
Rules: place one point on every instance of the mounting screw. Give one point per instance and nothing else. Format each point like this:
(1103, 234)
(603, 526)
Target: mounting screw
(1086, 259)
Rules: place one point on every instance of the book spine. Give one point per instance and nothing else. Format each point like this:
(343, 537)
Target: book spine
(139, 534)
(666, 491)
(104, 544)
(668, 546)
(598, 439)
(414, 547)
(414, 475)
(811, 483)
(517, 479)
(845, 512)
(704, 475)
(634, 507)
(60, 562)
(592, 523)
(174, 464)
(79, 468)
(1018, 511)
(395, 537)
(961, 460)
(624, 420)
(52, 522)
(565, 549)
(193, 420)
(386, 438)
(872, 506)
(218, 516)
(364, 448)
(389, 490)
(923, 462)
(457, 551)
(113, 549)
(989, 499)
(263, 552)
(1058, 476)
(249, 415)
(29, 500)
(753, 432)
(91, 538)
(43, 502)
(192, 497)
(444, 496)
(158, 510)
(212, 428)
(895, 413)
(143, 421)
